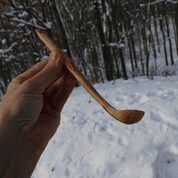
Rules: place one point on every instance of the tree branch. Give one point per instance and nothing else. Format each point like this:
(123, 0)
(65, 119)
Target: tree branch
(2, 51)
(28, 23)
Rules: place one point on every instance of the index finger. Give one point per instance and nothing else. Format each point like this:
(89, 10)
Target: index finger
(30, 72)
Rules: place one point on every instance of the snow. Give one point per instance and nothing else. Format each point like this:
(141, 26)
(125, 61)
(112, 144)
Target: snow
(34, 53)
(59, 13)
(24, 40)
(24, 14)
(4, 41)
(48, 25)
(34, 21)
(85, 53)
(21, 25)
(2, 30)
(118, 45)
(28, 23)
(107, 9)
(64, 50)
(35, 2)
(2, 51)
(44, 57)
(156, 2)
(90, 143)
(8, 14)
(67, 10)
(17, 7)
(42, 1)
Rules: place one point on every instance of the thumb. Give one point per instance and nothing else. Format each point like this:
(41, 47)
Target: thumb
(49, 74)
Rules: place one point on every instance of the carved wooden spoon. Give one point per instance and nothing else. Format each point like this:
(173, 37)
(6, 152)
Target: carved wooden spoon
(124, 116)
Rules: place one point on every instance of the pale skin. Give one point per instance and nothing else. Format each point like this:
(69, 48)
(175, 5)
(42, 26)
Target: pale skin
(30, 114)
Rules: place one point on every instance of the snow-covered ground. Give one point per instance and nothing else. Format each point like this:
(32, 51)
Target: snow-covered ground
(89, 143)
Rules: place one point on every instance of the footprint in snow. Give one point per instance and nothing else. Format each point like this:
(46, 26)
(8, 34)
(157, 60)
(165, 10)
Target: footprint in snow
(165, 163)
(119, 99)
(92, 139)
(67, 172)
(134, 99)
(122, 142)
(162, 117)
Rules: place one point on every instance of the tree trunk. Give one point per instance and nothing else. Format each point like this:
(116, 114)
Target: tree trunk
(141, 57)
(131, 33)
(164, 39)
(106, 56)
(147, 53)
(152, 39)
(62, 28)
(116, 32)
(168, 32)
(176, 22)
(174, 26)
(156, 28)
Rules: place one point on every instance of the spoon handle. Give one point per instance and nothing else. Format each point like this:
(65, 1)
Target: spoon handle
(76, 72)
(86, 84)
(124, 116)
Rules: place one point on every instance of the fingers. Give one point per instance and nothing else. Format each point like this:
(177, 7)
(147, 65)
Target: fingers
(61, 96)
(17, 81)
(41, 78)
(30, 72)
(53, 89)
(56, 86)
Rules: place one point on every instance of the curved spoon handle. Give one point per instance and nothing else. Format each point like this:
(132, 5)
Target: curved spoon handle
(124, 116)
(75, 71)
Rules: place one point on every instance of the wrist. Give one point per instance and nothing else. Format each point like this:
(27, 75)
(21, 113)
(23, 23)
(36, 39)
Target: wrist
(18, 157)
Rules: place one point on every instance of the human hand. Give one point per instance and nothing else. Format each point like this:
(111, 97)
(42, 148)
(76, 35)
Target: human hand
(33, 101)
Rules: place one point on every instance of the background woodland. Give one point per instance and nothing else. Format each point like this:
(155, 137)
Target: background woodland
(108, 39)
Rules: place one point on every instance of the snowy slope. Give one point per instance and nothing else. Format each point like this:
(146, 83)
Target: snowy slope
(91, 144)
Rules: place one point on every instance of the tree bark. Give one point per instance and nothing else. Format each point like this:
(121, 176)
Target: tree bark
(62, 29)
(164, 39)
(168, 32)
(106, 56)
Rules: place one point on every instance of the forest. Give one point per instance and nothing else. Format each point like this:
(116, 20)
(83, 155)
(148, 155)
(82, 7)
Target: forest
(108, 39)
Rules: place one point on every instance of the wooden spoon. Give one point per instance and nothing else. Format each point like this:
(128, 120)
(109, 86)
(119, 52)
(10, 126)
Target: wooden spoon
(124, 116)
